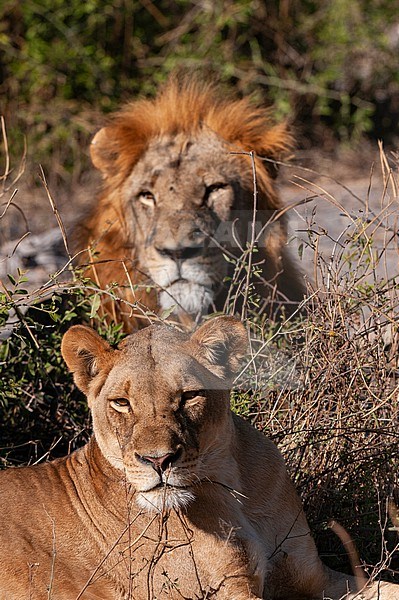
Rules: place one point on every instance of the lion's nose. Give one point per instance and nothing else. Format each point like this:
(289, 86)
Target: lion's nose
(160, 463)
(180, 253)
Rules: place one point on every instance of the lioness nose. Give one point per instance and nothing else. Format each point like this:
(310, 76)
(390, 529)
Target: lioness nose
(180, 253)
(160, 463)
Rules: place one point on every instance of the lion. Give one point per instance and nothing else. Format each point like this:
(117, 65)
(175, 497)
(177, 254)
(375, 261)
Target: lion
(178, 199)
(174, 496)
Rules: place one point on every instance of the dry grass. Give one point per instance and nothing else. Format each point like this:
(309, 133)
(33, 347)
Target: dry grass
(326, 387)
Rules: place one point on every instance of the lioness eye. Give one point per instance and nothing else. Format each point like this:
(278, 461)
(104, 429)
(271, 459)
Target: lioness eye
(147, 198)
(120, 404)
(191, 397)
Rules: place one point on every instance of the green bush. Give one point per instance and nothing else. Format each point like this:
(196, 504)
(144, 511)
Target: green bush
(42, 414)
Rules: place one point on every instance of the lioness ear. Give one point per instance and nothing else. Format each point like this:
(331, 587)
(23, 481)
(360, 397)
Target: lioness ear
(103, 151)
(223, 341)
(85, 354)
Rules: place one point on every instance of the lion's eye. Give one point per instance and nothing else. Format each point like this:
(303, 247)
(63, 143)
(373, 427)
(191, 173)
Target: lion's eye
(191, 397)
(120, 404)
(147, 198)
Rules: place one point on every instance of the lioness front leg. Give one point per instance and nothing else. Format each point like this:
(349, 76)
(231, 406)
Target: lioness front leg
(229, 557)
(228, 569)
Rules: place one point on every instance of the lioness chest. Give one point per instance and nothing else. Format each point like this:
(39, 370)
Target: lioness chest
(63, 552)
(193, 555)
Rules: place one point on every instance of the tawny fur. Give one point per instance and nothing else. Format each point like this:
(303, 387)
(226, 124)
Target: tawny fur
(220, 518)
(186, 139)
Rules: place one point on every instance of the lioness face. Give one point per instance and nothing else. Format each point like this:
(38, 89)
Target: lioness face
(180, 197)
(158, 403)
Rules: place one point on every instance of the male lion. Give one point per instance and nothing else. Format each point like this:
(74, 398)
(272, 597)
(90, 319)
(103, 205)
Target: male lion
(173, 497)
(178, 194)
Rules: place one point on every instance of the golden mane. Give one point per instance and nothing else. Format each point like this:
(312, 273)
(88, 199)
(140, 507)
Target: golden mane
(187, 105)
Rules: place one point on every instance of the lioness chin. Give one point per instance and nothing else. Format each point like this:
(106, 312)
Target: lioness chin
(173, 497)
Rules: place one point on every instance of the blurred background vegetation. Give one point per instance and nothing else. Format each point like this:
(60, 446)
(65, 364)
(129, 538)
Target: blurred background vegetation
(330, 66)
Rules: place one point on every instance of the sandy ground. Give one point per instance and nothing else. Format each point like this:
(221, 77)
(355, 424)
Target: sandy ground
(340, 216)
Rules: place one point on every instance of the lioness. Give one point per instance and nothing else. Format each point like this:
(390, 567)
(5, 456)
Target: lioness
(178, 197)
(174, 496)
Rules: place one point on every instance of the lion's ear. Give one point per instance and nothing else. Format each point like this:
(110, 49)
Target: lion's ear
(103, 151)
(223, 341)
(85, 354)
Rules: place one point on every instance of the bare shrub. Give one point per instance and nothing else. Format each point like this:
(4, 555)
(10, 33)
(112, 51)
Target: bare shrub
(325, 387)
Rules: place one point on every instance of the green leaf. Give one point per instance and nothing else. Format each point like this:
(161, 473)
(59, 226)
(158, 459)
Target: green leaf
(167, 312)
(95, 305)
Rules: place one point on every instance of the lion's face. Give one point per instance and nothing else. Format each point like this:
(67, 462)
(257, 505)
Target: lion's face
(179, 201)
(161, 419)
(182, 176)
